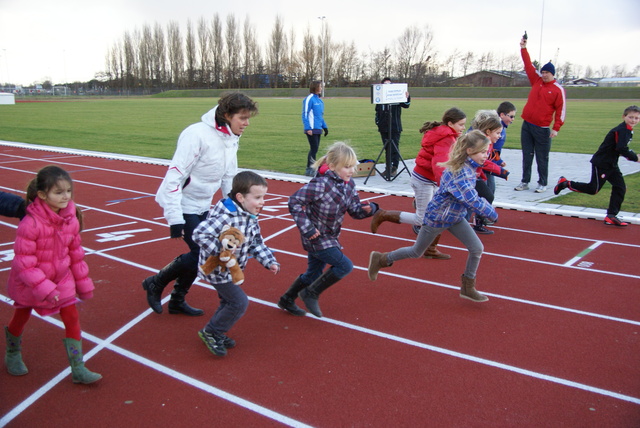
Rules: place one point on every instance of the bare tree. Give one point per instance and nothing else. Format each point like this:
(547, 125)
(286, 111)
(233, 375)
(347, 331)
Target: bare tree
(232, 39)
(412, 49)
(159, 56)
(308, 58)
(251, 54)
(145, 54)
(176, 54)
(381, 64)
(292, 64)
(451, 62)
(129, 61)
(277, 51)
(485, 62)
(589, 72)
(190, 53)
(205, 53)
(604, 71)
(466, 61)
(217, 48)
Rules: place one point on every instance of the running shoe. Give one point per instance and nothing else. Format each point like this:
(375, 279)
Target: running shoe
(612, 220)
(521, 186)
(563, 183)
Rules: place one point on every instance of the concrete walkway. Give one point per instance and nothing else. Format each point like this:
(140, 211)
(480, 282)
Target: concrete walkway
(571, 165)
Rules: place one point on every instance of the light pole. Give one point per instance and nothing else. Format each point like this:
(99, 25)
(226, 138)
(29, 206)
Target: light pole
(322, 18)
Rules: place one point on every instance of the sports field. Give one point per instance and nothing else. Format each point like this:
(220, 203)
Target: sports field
(556, 344)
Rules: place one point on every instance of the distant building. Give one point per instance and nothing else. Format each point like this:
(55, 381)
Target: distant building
(491, 78)
(582, 81)
(619, 81)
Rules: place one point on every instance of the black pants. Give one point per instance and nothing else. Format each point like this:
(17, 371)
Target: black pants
(188, 262)
(314, 144)
(392, 150)
(598, 177)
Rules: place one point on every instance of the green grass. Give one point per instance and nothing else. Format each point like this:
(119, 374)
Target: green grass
(274, 141)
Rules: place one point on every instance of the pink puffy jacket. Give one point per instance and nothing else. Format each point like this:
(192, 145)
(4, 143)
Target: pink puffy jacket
(48, 260)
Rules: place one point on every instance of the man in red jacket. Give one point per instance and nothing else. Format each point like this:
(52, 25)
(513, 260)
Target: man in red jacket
(546, 103)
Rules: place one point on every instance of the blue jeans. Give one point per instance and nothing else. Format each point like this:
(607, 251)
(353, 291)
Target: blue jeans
(233, 305)
(316, 262)
(535, 140)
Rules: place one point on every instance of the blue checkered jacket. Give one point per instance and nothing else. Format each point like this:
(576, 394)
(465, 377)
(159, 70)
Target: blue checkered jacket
(321, 204)
(206, 236)
(455, 196)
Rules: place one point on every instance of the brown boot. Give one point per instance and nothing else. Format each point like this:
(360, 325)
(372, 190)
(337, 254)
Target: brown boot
(377, 261)
(381, 216)
(468, 290)
(433, 252)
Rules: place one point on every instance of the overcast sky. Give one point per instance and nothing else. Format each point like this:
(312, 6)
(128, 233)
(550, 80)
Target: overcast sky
(67, 40)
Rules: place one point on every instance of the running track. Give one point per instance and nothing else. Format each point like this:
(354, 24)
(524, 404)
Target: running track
(556, 345)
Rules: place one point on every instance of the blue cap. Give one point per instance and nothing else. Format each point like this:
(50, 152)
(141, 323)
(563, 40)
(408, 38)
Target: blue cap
(549, 67)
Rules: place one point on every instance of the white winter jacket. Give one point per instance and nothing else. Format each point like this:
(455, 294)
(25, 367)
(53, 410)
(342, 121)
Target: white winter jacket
(204, 161)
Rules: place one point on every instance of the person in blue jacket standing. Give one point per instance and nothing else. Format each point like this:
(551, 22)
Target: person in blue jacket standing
(313, 122)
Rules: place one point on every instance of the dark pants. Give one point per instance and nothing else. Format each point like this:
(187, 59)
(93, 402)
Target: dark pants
(535, 141)
(316, 262)
(598, 178)
(314, 144)
(392, 151)
(233, 305)
(188, 262)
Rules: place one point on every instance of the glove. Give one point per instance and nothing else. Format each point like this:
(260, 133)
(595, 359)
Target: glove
(326, 131)
(86, 296)
(176, 230)
(503, 173)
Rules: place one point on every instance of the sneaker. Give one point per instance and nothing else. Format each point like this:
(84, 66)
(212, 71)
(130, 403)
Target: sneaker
(541, 189)
(416, 229)
(612, 220)
(521, 186)
(563, 183)
(228, 342)
(482, 230)
(214, 342)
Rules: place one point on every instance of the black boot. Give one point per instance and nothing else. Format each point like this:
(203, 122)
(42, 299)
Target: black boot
(156, 283)
(287, 301)
(177, 305)
(310, 294)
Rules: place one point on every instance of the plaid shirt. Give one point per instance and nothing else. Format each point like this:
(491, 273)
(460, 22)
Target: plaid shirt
(457, 194)
(206, 236)
(321, 205)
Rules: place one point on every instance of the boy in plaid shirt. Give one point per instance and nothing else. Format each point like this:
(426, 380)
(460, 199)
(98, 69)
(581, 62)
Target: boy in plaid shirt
(239, 210)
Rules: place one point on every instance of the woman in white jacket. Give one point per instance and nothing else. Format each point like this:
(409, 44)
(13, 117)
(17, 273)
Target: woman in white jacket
(204, 161)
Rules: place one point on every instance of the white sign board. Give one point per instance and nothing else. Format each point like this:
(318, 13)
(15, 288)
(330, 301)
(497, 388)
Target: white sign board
(390, 93)
(7, 98)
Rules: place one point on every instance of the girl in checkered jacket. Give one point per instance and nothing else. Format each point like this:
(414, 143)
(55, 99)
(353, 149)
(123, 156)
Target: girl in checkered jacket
(447, 211)
(318, 209)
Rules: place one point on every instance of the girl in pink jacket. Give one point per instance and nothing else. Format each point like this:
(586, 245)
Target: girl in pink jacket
(48, 269)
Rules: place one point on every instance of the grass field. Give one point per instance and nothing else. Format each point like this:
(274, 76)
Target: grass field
(274, 141)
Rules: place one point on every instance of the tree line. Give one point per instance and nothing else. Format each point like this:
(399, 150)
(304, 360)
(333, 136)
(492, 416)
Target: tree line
(226, 53)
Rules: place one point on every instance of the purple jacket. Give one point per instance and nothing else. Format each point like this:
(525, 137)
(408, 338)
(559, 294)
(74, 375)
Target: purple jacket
(321, 204)
(48, 260)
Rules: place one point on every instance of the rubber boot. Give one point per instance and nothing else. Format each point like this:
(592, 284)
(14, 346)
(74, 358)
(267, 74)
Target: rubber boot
(433, 252)
(381, 216)
(287, 300)
(468, 290)
(177, 304)
(156, 283)
(79, 373)
(310, 294)
(377, 261)
(13, 355)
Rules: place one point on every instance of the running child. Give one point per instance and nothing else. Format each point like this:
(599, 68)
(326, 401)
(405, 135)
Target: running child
(239, 210)
(318, 208)
(437, 140)
(447, 211)
(48, 270)
(604, 166)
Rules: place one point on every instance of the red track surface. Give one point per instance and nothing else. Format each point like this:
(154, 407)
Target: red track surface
(556, 345)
